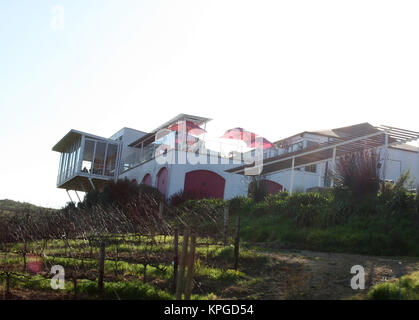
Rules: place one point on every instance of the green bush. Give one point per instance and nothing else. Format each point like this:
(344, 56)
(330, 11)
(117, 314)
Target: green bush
(390, 290)
(334, 221)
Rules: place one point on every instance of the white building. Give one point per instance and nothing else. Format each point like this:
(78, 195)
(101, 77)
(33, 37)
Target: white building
(175, 160)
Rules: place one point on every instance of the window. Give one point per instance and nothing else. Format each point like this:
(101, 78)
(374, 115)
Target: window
(89, 149)
(98, 164)
(295, 147)
(311, 144)
(311, 168)
(111, 159)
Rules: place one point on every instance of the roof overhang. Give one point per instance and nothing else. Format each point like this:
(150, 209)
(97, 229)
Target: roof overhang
(197, 120)
(324, 151)
(72, 136)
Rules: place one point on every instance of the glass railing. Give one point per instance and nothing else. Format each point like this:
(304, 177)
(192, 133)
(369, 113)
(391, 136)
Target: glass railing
(211, 148)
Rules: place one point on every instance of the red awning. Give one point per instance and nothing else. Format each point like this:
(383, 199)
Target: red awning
(251, 139)
(191, 127)
(260, 142)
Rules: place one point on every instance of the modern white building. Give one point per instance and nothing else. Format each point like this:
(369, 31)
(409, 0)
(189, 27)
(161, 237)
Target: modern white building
(176, 157)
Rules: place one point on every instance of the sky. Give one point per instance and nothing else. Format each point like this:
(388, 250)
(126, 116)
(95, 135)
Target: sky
(276, 68)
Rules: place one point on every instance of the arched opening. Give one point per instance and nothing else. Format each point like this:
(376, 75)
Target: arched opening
(162, 176)
(147, 180)
(204, 184)
(270, 186)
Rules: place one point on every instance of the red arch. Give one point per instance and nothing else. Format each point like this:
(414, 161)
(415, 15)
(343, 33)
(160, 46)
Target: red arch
(204, 184)
(272, 187)
(147, 180)
(162, 176)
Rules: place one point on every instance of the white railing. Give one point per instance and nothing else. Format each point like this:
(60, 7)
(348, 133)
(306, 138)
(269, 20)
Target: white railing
(212, 148)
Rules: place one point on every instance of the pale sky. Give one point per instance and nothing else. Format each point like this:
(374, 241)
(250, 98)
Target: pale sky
(273, 67)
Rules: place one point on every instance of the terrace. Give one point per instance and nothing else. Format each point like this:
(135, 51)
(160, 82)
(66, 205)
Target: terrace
(168, 138)
(87, 161)
(356, 138)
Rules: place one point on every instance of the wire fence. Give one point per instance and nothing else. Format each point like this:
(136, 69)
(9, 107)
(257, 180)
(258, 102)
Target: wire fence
(139, 241)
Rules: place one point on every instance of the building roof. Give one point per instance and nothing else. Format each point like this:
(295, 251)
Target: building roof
(338, 133)
(351, 139)
(406, 147)
(72, 136)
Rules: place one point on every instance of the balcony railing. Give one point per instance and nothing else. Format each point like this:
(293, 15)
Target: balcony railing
(210, 148)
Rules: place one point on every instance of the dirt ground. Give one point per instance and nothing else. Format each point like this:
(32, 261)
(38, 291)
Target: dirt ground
(299, 274)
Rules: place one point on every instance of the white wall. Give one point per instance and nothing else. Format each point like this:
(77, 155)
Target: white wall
(302, 179)
(399, 161)
(235, 184)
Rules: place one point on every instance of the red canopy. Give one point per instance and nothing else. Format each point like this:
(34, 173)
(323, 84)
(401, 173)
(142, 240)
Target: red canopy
(252, 139)
(239, 134)
(191, 127)
(261, 143)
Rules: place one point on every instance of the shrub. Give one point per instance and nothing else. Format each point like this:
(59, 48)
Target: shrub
(358, 173)
(390, 290)
(182, 196)
(257, 189)
(240, 204)
(118, 194)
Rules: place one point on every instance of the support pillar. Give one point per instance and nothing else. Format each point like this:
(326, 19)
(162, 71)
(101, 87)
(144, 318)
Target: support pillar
(320, 174)
(292, 175)
(77, 195)
(91, 182)
(333, 166)
(385, 156)
(71, 200)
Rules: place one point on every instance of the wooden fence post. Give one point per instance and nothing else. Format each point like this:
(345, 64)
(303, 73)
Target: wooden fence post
(237, 244)
(7, 293)
(161, 208)
(181, 274)
(191, 260)
(101, 269)
(226, 223)
(24, 255)
(75, 287)
(175, 257)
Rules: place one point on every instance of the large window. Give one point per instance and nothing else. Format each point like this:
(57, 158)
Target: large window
(111, 156)
(97, 158)
(69, 161)
(295, 147)
(89, 149)
(99, 162)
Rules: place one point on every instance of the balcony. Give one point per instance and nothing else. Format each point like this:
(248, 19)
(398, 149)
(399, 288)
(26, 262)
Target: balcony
(87, 162)
(231, 151)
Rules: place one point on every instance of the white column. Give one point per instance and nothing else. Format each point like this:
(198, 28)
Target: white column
(81, 155)
(320, 174)
(333, 166)
(292, 175)
(385, 156)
